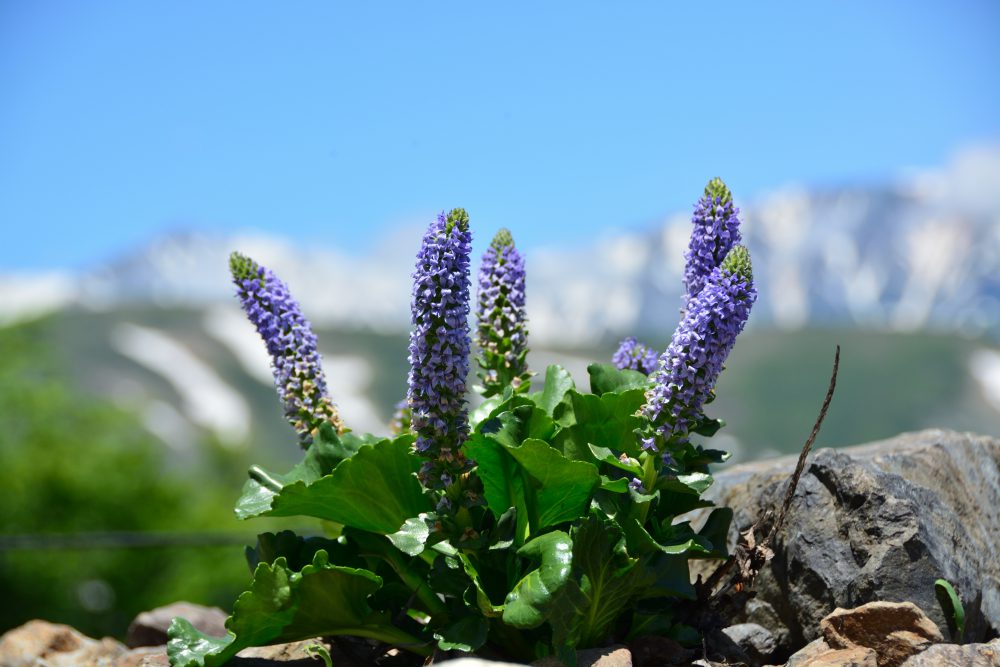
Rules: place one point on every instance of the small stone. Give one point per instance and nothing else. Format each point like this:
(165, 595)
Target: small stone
(895, 630)
(756, 641)
(654, 651)
(955, 655)
(144, 656)
(150, 627)
(858, 656)
(40, 643)
(611, 656)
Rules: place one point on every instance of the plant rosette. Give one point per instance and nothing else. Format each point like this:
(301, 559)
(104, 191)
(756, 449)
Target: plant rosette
(536, 524)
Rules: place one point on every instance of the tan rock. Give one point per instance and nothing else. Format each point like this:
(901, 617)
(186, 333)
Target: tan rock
(819, 654)
(612, 656)
(895, 630)
(44, 644)
(145, 656)
(954, 655)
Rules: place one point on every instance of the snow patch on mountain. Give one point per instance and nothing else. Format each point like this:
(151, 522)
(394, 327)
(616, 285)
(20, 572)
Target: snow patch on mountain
(205, 398)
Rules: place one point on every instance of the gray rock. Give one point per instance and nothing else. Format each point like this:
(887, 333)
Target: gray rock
(150, 627)
(955, 655)
(756, 641)
(880, 521)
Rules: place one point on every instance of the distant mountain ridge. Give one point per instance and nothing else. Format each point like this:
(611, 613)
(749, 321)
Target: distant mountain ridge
(920, 255)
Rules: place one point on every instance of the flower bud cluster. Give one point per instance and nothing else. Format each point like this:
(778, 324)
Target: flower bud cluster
(716, 231)
(502, 330)
(439, 348)
(295, 361)
(691, 364)
(636, 356)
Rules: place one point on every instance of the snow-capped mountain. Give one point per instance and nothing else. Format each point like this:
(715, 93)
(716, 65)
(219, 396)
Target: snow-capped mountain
(920, 254)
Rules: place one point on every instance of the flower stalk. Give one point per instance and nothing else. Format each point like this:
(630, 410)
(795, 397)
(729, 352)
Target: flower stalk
(439, 351)
(295, 361)
(690, 367)
(502, 332)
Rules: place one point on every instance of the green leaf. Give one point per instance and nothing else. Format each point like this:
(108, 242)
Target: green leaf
(605, 582)
(542, 485)
(411, 538)
(641, 542)
(951, 606)
(606, 378)
(552, 398)
(608, 421)
(527, 604)
(619, 485)
(466, 634)
(326, 452)
(605, 455)
(299, 551)
(375, 490)
(716, 531)
(285, 606)
(673, 578)
(707, 426)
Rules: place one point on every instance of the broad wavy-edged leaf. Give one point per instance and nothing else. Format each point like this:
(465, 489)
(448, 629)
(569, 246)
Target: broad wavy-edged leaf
(552, 398)
(285, 606)
(545, 487)
(716, 531)
(605, 581)
(608, 421)
(374, 490)
(300, 551)
(466, 634)
(326, 452)
(528, 604)
(641, 542)
(606, 378)
(411, 538)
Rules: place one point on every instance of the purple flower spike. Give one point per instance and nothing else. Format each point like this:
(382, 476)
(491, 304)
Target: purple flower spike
(298, 371)
(502, 330)
(635, 356)
(439, 348)
(691, 365)
(716, 231)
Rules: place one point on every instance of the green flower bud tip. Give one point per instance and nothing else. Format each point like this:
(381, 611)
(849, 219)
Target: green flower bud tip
(737, 263)
(244, 268)
(716, 189)
(502, 240)
(457, 216)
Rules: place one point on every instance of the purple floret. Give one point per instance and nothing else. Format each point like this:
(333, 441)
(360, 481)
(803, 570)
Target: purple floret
(691, 364)
(295, 361)
(439, 348)
(716, 230)
(636, 356)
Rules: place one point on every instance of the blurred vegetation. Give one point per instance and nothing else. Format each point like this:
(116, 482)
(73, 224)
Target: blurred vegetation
(72, 463)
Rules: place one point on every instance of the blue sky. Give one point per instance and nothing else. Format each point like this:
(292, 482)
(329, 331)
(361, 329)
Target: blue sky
(333, 122)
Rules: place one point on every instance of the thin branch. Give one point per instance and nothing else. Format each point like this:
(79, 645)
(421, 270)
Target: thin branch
(794, 481)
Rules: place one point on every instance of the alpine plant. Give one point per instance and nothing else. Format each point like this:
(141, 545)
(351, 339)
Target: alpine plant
(439, 350)
(502, 332)
(716, 231)
(690, 366)
(636, 356)
(295, 361)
